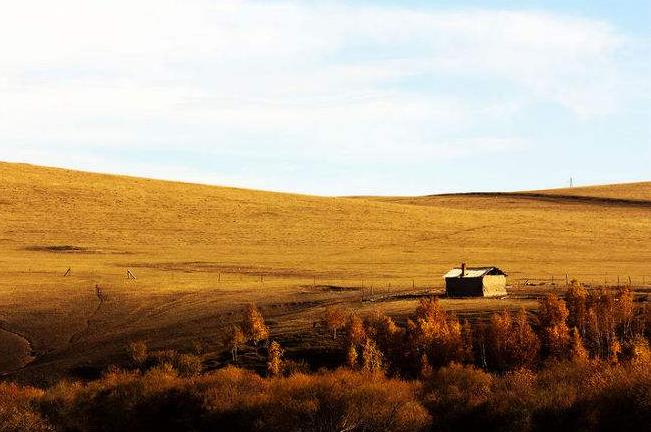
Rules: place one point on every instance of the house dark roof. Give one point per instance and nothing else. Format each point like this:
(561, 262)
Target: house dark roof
(473, 272)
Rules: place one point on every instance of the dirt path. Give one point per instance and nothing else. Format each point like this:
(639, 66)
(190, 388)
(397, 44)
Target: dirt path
(101, 298)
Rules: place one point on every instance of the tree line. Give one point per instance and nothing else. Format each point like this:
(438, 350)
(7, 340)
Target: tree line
(585, 325)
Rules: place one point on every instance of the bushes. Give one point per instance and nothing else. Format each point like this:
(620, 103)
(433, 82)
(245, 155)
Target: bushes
(456, 396)
(18, 409)
(234, 399)
(141, 358)
(565, 396)
(511, 342)
(594, 395)
(342, 400)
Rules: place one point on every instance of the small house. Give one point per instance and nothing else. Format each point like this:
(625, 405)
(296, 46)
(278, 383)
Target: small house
(475, 282)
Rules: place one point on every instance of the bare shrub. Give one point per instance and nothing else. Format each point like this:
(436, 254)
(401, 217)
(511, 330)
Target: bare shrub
(235, 340)
(188, 365)
(138, 352)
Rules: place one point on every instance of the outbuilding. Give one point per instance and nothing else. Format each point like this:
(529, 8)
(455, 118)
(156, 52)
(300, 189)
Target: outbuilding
(475, 282)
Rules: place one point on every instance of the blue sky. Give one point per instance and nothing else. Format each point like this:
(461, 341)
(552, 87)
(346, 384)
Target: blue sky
(332, 98)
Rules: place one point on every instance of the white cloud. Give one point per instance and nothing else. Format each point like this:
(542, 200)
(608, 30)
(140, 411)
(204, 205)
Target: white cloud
(329, 81)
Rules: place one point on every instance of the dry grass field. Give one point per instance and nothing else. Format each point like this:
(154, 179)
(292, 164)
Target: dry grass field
(199, 253)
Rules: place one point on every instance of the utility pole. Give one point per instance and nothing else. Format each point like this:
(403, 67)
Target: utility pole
(571, 182)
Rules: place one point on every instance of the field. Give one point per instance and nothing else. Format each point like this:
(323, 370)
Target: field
(199, 253)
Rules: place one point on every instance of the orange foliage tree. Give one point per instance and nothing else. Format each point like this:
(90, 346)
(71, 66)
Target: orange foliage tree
(355, 331)
(388, 336)
(576, 298)
(253, 325)
(432, 332)
(274, 359)
(578, 353)
(511, 342)
(236, 338)
(334, 319)
(372, 358)
(553, 314)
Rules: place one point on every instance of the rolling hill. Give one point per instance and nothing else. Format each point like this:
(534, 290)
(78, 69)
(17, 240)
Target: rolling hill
(200, 252)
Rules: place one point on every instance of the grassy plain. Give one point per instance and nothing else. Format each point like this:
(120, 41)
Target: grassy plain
(199, 253)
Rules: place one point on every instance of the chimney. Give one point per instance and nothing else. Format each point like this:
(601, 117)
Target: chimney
(463, 269)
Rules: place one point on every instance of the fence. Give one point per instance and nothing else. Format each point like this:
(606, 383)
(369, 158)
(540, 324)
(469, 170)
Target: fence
(587, 279)
(384, 285)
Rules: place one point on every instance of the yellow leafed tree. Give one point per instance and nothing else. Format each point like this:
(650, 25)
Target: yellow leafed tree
(274, 359)
(254, 326)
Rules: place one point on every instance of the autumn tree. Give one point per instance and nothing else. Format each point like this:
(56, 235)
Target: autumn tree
(388, 337)
(334, 319)
(355, 331)
(497, 339)
(274, 359)
(371, 357)
(592, 338)
(351, 357)
(381, 328)
(467, 342)
(646, 321)
(236, 338)
(576, 298)
(624, 312)
(480, 341)
(578, 352)
(433, 332)
(511, 342)
(426, 370)
(430, 309)
(525, 345)
(639, 352)
(553, 314)
(254, 327)
(601, 324)
(614, 350)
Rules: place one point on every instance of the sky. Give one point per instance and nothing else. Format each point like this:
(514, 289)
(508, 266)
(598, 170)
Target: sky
(331, 98)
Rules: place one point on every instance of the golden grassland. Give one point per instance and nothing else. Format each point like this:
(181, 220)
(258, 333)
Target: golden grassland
(200, 252)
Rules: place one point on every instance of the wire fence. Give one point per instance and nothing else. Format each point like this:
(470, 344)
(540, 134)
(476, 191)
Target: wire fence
(387, 285)
(590, 280)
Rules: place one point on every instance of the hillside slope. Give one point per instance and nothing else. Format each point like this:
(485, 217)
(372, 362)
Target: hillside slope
(631, 191)
(200, 252)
